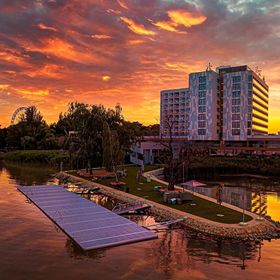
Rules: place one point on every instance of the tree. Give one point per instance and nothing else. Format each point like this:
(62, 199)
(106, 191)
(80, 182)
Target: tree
(188, 154)
(113, 154)
(31, 132)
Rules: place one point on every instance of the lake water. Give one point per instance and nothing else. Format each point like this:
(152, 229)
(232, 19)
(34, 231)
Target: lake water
(32, 247)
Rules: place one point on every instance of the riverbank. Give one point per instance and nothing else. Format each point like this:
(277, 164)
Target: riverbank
(38, 156)
(254, 229)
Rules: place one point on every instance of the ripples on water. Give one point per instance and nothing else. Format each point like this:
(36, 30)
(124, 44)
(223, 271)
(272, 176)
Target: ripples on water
(32, 247)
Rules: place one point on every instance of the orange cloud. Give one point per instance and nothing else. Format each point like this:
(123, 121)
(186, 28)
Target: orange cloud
(45, 27)
(182, 17)
(4, 86)
(27, 92)
(122, 4)
(62, 49)
(101, 36)
(137, 28)
(106, 78)
(13, 58)
(48, 70)
(169, 26)
(135, 42)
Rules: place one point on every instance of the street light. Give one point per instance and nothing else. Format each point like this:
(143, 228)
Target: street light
(243, 212)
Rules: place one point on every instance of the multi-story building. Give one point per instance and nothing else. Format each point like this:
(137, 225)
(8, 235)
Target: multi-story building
(174, 112)
(230, 104)
(244, 98)
(204, 106)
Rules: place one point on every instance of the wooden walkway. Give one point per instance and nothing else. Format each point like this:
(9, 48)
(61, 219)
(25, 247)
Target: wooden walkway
(125, 209)
(91, 226)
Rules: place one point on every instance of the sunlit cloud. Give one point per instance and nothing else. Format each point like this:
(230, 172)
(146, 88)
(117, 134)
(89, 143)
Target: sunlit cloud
(188, 19)
(135, 42)
(58, 52)
(137, 28)
(45, 27)
(169, 26)
(106, 78)
(49, 70)
(122, 4)
(27, 92)
(3, 86)
(101, 36)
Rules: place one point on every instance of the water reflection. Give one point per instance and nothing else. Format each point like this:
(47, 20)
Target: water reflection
(28, 237)
(253, 198)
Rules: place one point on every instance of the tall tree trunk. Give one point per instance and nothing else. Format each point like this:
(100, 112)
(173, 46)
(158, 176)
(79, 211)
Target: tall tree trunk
(171, 178)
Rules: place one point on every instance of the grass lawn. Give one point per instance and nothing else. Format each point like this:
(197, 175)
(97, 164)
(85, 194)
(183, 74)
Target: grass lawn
(203, 208)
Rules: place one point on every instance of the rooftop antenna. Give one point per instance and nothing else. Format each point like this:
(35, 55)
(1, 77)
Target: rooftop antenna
(209, 67)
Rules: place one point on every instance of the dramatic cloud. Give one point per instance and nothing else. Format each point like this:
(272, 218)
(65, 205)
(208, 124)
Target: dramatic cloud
(137, 28)
(56, 51)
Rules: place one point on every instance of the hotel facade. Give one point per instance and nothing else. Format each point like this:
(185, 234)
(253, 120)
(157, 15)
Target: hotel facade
(229, 104)
(227, 108)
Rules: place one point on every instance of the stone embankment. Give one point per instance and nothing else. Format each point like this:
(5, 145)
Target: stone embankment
(253, 230)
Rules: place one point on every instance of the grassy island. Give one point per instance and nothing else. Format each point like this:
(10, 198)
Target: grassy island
(203, 208)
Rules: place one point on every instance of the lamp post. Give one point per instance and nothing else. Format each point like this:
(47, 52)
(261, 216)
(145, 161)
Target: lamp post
(243, 212)
(183, 176)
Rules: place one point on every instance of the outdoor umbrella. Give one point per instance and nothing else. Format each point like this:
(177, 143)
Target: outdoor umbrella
(192, 184)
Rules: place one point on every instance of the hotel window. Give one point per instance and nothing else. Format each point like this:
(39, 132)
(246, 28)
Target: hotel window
(235, 124)
(235, 101)
(235, 132)
(201, 131)
(202, 124)
(236, 79)
(235, 94)
(202, 87)
(249, 132)
(201, 117)
(236, 117)
(236, 87)
(202, 109)
(202, 102)
(202, 94)
(235, 109)
(202, 79)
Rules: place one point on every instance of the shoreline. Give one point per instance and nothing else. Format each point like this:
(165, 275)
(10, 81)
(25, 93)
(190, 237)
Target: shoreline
(253, 229)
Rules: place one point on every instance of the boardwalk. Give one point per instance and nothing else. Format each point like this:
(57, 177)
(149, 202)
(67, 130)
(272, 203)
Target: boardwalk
(91, 226)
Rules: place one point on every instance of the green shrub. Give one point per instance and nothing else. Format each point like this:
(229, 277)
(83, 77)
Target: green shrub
(42, 156)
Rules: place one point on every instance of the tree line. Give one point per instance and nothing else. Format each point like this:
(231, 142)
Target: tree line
(92, 134)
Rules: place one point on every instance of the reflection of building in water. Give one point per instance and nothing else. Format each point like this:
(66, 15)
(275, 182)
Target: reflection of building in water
(259, 203)
(253, 201)
(234, 196)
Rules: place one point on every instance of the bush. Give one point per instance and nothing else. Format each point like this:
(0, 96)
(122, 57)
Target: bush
(41, 156)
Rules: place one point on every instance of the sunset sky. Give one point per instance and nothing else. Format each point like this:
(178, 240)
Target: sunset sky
(56, 51)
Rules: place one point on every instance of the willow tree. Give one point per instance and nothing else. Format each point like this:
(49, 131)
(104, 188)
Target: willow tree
(113, 154)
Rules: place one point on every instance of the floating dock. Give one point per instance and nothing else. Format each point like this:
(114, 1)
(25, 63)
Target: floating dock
(90, 225)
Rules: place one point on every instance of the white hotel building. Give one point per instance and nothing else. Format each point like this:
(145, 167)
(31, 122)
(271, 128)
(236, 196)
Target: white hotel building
(228, 106)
